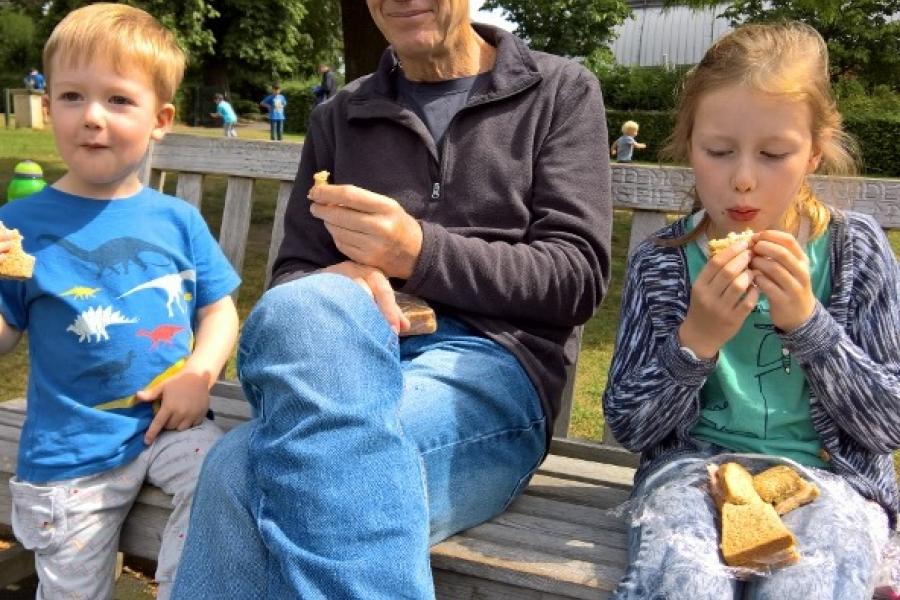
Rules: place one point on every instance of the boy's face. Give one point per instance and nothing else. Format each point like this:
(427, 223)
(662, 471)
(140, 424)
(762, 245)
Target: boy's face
(103, 122)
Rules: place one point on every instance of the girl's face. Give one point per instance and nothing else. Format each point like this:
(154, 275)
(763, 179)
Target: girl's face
(751, 153)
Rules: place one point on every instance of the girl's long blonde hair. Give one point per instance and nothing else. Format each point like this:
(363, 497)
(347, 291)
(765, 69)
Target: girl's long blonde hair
(789, 60)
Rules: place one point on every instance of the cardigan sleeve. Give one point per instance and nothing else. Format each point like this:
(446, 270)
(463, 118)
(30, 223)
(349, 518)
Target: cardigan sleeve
(854, 372)
(653, 386)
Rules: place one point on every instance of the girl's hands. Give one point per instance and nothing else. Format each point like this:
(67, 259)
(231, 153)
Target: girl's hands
(781, 270)
(721, 298)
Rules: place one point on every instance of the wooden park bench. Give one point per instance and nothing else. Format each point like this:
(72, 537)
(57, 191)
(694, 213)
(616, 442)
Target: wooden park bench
(558, 540)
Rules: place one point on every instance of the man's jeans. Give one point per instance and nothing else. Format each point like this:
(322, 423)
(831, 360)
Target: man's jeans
(364, 451)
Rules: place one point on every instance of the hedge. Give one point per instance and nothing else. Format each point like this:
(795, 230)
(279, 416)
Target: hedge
(877, 136)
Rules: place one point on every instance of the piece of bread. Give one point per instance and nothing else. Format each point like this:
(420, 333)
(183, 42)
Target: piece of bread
(753, 536)
(782, 487)
(421, 316)
(15, 264)
(320, 178)
(733, 484)
(717, 245)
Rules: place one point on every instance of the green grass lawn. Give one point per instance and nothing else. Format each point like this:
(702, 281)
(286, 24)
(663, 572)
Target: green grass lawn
(587, 418)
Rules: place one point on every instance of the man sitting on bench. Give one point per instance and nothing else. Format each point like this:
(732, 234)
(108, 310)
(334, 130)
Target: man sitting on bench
(464, 171)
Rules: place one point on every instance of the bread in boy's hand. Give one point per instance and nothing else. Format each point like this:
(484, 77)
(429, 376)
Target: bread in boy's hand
(15, 264)
(717, 245)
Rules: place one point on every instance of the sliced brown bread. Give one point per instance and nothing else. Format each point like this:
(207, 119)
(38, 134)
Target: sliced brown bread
(735, 485)
(782, 487)
(15, 264)
(421, 316)
(754, 536)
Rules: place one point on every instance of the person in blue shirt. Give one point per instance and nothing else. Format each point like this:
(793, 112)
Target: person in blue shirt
(34, 80)
(623, 148)
(275, 103)
(128, 312)
(225, 112)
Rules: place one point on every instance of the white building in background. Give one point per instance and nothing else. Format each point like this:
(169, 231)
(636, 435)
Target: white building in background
(667, 36)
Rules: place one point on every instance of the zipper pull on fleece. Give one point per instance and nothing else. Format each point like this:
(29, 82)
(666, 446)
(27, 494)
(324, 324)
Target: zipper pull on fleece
(435, 191)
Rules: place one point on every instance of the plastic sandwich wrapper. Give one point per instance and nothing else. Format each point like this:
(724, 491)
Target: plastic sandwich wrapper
(693, 471)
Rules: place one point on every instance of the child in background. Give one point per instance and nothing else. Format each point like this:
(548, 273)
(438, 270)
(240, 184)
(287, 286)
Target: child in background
(128, 313)
(275, 103)
(623, 148)
(227, 114)
(787, 346)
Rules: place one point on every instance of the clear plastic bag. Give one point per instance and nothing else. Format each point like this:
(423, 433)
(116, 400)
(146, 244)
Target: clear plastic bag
(887, 580)
(674, 478)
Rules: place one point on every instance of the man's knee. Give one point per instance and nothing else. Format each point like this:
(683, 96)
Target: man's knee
(225, 472)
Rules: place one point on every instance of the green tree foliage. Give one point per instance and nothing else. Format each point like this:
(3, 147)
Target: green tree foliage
(247, 43)
(564, 27)
(17, 33)
(863, 41)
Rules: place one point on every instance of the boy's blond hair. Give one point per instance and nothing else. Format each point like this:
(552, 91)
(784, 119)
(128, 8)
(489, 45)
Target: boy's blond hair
(630, 126)
(788, 60)
(128, 36)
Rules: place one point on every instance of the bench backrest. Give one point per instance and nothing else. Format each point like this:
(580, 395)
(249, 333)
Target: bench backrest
(650, 192)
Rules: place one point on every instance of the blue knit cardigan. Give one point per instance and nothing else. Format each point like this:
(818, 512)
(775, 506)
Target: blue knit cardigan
(849, 350)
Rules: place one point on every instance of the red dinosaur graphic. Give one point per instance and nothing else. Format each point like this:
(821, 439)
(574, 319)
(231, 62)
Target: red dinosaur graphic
(161, 333)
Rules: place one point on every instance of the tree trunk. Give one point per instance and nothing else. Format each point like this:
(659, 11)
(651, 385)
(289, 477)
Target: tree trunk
(363, 42)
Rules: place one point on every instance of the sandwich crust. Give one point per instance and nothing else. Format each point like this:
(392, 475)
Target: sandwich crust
(715, 246)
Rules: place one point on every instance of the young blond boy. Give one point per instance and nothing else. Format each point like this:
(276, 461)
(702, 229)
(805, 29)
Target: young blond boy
(624, 147)
(128, 311)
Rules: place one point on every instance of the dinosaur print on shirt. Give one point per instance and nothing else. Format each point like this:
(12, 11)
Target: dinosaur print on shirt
(118, 252)
(94, 321)
(160, 334)
(171, 285)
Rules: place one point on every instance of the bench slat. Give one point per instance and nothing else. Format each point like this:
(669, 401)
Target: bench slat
(236, 220)
(220, 156)
(281, 202)
(524, 567)
(190, 187)
(453, 586)
(574, 514)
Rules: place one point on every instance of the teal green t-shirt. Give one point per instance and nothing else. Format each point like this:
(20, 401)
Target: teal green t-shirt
(757, 398)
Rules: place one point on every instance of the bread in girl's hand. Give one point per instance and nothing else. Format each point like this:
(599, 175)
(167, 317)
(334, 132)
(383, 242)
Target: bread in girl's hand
(15, 264)
(717, 245)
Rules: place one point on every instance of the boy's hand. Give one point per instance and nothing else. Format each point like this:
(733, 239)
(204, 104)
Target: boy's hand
(5, 238)
(781, 270)
(721, 299)
(185, 401)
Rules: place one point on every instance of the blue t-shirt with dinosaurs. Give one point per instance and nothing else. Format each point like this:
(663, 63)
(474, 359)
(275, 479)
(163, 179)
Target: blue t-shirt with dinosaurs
(109, 311)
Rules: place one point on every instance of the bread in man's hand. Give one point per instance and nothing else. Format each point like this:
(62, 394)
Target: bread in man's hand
(422, 319)
(717, 245)
(15, 264)
(320, 178)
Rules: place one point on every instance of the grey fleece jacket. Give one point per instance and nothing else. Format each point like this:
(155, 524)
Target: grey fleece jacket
(515, 210)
